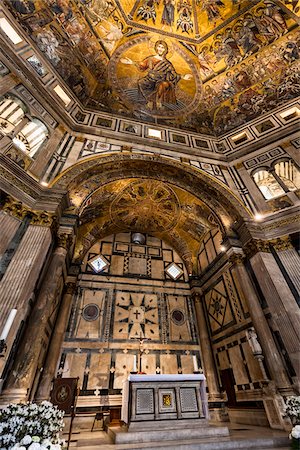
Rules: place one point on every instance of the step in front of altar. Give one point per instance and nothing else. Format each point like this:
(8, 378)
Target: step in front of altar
(205, 443)
(165, 432)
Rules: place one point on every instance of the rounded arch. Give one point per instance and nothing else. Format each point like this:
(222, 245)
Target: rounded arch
(12, 111)
(213, 204)
(84, 177)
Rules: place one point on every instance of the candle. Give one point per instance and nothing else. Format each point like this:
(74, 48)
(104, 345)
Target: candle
(195, 363)
(8, 324)
(134, 363)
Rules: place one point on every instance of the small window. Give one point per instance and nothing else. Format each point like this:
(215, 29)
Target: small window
(98, 263)
(153, 133)
(289, 174)
(267, 184)
(174, 271)
(10, 31)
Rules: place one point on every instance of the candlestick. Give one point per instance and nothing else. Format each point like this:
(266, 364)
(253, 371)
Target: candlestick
(134, 363)
(195, 363)
(8, 324)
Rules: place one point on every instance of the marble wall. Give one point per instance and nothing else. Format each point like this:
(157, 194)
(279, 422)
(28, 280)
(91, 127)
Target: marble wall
(133, 299)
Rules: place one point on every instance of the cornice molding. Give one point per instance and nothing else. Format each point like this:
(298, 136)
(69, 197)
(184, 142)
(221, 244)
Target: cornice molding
(23, 188)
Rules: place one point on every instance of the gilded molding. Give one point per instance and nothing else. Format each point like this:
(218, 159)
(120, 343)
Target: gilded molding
(282, 243)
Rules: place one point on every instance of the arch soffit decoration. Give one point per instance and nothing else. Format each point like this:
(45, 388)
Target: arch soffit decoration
(87, 177)
(89, 174)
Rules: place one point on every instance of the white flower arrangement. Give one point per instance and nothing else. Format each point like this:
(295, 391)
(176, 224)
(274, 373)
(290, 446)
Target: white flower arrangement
(292, 409)
(31, 427)
(295, 433)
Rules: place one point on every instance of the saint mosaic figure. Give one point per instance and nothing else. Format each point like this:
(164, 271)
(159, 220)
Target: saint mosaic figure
(157, 87)
(168, 13)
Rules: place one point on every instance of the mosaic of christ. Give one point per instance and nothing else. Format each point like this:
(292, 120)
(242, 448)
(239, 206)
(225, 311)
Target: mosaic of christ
(154, 77)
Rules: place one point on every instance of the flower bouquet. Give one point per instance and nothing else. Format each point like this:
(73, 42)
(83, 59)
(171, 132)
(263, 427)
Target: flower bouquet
(31, 426)
(295, 437)
(292, 410)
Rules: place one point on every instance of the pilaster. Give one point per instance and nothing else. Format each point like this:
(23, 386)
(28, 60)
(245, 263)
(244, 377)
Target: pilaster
(20, 380)
(281, 302)
(8, 227)
(215, 397)
(273, 358)
(54, 350)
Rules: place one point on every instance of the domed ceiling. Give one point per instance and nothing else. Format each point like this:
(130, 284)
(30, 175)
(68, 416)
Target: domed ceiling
(206, 66)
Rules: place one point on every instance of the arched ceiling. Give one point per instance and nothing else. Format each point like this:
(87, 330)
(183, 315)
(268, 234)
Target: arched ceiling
(148, 194)
(149, 206)
(226, 61)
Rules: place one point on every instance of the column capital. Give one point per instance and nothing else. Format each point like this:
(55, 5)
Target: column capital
(20, 211)
(70, 287)
(282, 243)
(255, 246)
(197, 292)
(64, 240)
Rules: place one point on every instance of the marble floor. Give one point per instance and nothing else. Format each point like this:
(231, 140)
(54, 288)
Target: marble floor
(241, 437)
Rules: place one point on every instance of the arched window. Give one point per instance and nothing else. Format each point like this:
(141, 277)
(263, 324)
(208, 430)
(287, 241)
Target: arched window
(31, 136)
(12, 111)
(288, 173)
(267, 184)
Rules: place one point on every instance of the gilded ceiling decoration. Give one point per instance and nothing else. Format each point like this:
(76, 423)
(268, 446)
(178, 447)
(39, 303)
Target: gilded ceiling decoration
(202, 65)
(148, 206)
(85, 177)
(141, 205)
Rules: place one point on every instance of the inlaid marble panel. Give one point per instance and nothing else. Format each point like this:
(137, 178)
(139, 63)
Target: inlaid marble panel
(99, 371)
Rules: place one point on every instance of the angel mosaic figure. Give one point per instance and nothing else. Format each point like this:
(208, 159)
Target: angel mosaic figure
(148, 11)
(157, 87)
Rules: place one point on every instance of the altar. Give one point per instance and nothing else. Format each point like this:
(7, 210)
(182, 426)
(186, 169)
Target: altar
(155, 398)
(165, 407)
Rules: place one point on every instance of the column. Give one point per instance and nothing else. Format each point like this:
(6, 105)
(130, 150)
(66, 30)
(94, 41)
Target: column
(21, 377)
(206, 352)
(8, 227)
(22, 272)
(254, 191)
(54, 350)
(272, 356)
(6, 141)
(280, 300)
(290, 259)
(44, 155)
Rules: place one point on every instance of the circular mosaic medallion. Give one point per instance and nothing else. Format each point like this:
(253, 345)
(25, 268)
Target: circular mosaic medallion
(156, 77)
(178, 317)
(90, 312)
(146, 205)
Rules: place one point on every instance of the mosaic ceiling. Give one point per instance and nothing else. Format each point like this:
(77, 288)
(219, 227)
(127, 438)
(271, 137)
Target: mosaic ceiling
(151, 206)
(206, 66)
